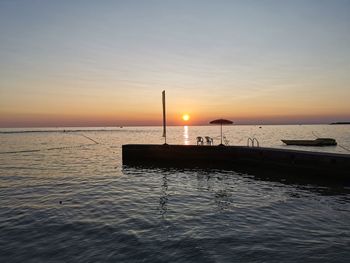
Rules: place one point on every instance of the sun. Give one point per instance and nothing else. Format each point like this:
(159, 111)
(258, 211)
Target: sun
(185, 117)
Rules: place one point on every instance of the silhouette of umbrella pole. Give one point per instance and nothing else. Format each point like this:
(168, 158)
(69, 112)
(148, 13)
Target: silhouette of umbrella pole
(221, 122)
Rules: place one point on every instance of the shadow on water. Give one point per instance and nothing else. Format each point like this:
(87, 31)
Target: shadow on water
(321, 186)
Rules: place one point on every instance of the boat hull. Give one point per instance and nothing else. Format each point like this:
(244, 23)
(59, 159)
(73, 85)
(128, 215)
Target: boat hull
(310, 142)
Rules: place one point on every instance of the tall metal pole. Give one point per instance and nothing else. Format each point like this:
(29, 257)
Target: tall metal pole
(221, 132)
(164, 116)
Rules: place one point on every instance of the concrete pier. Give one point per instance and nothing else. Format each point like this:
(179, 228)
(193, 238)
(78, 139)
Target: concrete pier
(241, 158)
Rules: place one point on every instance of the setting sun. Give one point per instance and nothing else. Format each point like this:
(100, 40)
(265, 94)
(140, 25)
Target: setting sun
(185, 117)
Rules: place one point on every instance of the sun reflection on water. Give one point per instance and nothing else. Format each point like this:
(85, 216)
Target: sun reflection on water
(186, 136)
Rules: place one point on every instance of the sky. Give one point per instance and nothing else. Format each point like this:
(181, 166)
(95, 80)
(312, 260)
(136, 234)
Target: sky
(105, 63)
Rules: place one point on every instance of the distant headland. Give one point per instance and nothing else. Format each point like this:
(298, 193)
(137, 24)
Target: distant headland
(340, 123)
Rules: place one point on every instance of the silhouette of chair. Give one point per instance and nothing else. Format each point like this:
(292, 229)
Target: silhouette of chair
(209, 140)
(200, 140)
(226, 141)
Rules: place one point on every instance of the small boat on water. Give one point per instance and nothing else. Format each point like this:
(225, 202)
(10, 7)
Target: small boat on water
(316, 142)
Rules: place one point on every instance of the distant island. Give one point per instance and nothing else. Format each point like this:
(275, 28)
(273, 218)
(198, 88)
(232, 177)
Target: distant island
(340, 123)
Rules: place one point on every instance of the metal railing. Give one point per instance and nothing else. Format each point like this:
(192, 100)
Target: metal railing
(251, 141)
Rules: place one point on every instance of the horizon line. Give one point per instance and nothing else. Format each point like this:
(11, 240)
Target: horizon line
(173, 125)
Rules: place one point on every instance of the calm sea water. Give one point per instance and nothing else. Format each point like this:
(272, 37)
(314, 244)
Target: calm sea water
(65, 198)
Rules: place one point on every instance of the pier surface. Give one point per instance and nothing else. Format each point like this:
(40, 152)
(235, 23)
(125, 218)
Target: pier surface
(242, 158)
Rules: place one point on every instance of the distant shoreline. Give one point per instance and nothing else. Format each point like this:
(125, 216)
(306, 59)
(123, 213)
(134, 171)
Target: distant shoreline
(341, 123)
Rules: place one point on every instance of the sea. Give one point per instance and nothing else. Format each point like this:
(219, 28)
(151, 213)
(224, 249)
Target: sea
(65, 196)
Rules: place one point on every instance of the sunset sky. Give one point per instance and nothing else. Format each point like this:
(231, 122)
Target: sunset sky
(105, 63)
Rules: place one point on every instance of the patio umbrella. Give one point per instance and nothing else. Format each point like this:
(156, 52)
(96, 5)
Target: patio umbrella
(221, 122)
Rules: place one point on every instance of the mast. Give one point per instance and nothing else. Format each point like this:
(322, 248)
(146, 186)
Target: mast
(164, 116)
